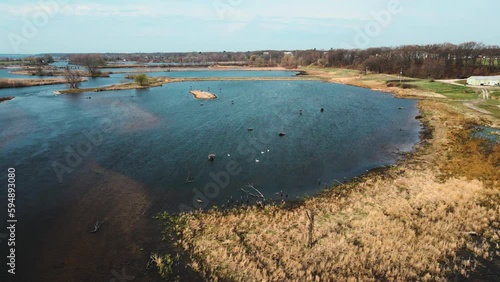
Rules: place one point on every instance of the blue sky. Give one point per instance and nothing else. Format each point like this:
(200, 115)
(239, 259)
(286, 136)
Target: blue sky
(68, 26)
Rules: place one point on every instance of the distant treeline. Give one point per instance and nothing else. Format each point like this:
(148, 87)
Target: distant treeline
(423, 61)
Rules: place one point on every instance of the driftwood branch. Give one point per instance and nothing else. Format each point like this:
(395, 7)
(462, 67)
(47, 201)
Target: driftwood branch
(471, 233)
(151, 261)
(249, 193)
(311, 228)
(340, 183)
(189, 179)
(97, 225)
(257, 193)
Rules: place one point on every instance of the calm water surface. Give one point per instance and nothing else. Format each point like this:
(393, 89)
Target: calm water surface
(162, 136)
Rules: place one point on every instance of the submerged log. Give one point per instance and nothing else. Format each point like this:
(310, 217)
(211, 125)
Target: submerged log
(189, 179)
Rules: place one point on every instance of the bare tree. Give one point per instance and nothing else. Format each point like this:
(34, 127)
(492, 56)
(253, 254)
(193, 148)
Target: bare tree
(91, 62)
(289, 62)
(72, 78)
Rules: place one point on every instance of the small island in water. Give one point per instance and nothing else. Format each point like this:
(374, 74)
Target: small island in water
(202, 95)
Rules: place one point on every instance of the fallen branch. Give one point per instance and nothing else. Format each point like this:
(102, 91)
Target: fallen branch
(471, 233)
(97, 225)
(258, 195)
(340, 183)
(249, 193)
(151, 261)
(189, 179)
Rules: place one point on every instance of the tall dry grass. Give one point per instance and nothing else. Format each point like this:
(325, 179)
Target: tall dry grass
(423, 220)
(408, 228)
(14, 82)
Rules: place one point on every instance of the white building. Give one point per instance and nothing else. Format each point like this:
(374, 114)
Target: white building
(484, 80)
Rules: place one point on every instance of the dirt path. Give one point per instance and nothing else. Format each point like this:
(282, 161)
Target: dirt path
(472, 106)
(485, 95)
(451, 81)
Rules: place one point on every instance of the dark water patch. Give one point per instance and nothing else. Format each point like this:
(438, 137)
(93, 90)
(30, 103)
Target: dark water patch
(490, 133)
(159, 138)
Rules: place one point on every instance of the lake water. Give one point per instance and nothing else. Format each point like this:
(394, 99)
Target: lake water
(15, 56)
(162, 136)
(6, 73)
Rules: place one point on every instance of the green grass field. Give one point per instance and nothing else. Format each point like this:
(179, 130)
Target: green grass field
(491, 106)
(448, 90)
(335, 71)
(495, 93)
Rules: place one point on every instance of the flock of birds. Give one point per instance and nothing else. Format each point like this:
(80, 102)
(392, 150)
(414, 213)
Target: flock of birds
(262, 153)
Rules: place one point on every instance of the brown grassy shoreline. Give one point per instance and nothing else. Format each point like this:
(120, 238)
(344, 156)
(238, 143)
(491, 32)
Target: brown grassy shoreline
(21, 82)
(153, 82)
(434, 215)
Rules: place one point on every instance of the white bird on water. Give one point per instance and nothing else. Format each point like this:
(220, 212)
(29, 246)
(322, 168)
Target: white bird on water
(262, 153)
(228, 155)
(257, 160)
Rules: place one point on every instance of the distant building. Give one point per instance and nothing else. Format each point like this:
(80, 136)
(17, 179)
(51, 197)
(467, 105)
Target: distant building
(484, 80)
(288, 53)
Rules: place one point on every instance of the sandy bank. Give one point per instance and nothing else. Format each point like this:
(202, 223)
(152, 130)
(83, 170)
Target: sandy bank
(154, 82)
(373, 82)
(202, 95)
